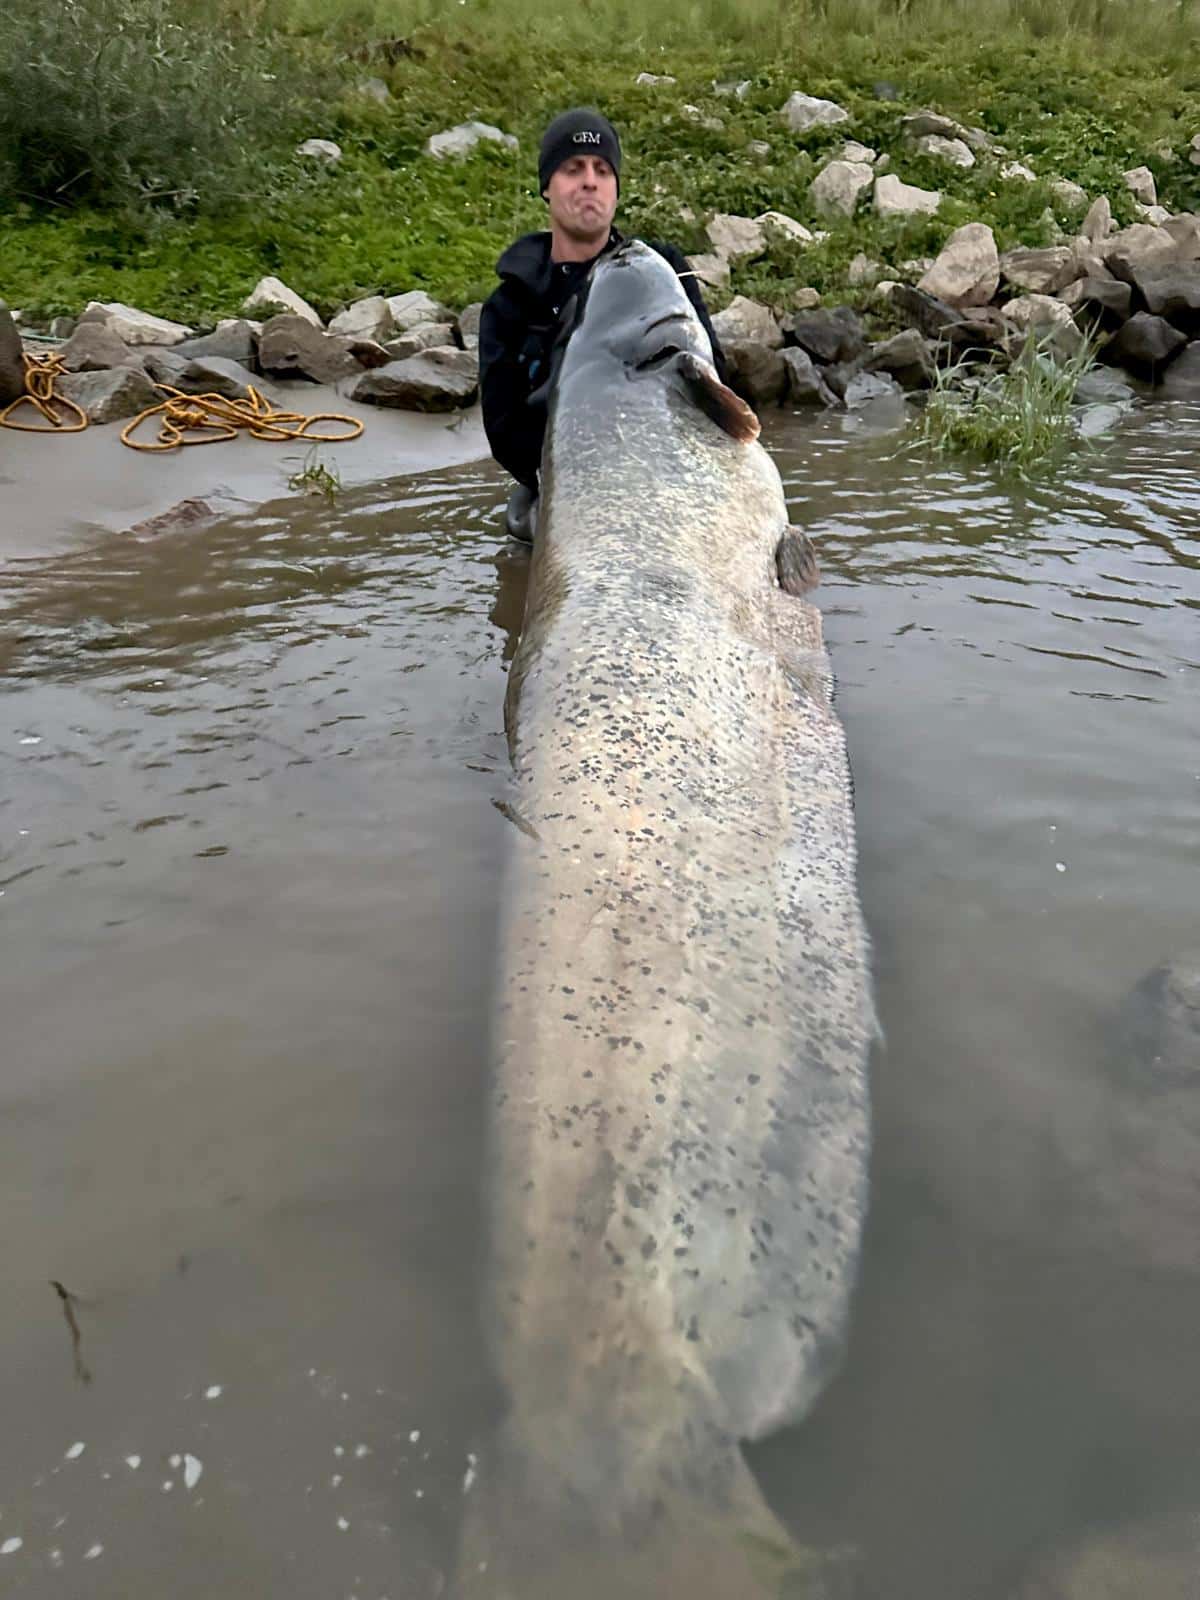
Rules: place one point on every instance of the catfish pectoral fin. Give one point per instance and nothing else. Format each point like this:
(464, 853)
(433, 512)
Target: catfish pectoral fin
(717, 400)
(796, 563)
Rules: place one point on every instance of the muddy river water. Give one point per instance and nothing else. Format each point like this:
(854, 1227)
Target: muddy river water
(249, 863)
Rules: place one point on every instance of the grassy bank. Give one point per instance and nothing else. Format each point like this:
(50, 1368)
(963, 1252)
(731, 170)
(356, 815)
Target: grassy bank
(1080, 91)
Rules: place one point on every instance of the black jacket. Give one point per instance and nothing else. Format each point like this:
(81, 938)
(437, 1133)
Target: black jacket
(517, 329)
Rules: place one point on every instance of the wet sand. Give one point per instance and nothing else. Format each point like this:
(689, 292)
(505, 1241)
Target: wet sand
(57, 492)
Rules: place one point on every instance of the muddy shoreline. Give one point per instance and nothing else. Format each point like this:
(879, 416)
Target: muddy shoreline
(58, 493)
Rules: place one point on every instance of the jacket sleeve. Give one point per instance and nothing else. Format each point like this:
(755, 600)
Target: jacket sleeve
(691, 287)
(514, 428)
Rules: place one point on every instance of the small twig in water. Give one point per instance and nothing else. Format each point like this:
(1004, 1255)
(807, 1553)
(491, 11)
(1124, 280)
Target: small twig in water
(69, 1302)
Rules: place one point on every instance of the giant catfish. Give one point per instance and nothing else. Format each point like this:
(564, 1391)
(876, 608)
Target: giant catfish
(679, 1125)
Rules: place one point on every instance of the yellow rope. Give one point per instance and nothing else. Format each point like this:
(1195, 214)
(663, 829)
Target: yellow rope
(41, 373)
(212, 415)
(184, 419)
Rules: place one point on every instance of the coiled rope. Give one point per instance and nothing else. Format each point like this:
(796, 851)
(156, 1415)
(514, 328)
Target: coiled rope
(183, 419)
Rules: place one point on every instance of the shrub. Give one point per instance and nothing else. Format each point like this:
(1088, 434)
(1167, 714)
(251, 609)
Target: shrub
(133, 104)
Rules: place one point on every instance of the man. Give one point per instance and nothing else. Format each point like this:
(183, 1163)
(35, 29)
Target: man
(579, 171)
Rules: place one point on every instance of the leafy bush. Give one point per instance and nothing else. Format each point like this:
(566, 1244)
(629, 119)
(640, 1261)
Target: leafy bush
(132, 104)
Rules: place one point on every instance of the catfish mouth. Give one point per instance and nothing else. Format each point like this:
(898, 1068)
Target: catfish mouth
(663, 339)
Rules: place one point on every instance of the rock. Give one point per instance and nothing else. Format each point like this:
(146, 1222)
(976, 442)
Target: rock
(1090, 263)
(1040, 271)
(905, 356)
(1098, 300)
(1036, 311)
(837, 378)
(803, 111)
(759, 149)
(94, 347)
(1160, 1023)
(776, 228)
(1071, 196)
(1185, 230)
(365, 319)
(653, 80)
(745, 320)
(165, 366)
(927, 123)
(916, 266)
(12, 359)
(1095, 421)
(323, 150)
(896, 199)
(1172, 292)
(956, 151)
(215, 375)
(370, 354)
(734, 90)
(1150, 1560)
(1154, 215)
(110, 396)
(1194, 150)
(701, 118)
(460, 141)
(421, 383)
(1144, 346)
(137, 327)
(409, 310)
(865, 388)
(1095, 387)
(853, 151)
(1138, 246)
(271, 296)
(235, 340)
(863, 270)
(424, 336)
(189, 514)
(1098, 224)
(1181, 381)
(468, 325)
(1017, 169)
(712, 270)
(967, 271)
(759, 374)
(291, 347)
(1042, 315)
(965, 327)
(735, 239)
(828, 336)
(1140, 183)
(806, 387)
(62, 327)
(806, 299)
(374, 89)
(836, 189)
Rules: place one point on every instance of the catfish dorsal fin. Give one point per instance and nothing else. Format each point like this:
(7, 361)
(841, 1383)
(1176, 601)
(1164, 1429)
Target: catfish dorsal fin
(716, 399)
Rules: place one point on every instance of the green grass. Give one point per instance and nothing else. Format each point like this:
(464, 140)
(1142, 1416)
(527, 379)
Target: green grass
(1022, 417)
(1080, 90)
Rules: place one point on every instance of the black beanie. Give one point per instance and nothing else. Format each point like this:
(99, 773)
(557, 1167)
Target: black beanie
(579, 132)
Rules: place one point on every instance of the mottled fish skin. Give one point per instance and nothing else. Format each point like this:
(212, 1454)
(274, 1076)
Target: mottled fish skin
(680, 1123)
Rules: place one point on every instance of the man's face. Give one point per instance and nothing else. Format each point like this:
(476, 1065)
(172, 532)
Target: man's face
(582, 195)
